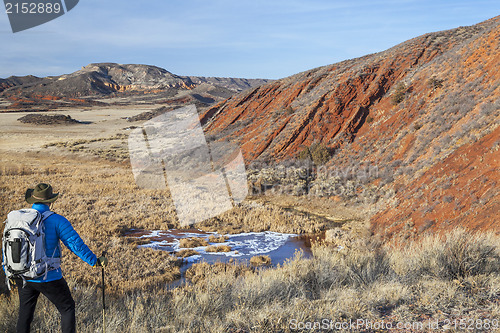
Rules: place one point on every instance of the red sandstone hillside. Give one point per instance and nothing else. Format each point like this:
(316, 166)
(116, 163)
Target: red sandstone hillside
(425, 112)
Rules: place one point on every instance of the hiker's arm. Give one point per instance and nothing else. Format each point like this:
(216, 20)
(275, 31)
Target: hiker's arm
(73, 241)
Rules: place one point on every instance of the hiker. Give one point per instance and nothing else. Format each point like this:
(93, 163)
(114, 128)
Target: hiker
(51, 283)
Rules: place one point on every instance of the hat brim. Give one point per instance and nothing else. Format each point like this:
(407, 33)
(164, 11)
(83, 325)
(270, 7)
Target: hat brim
(30, 199)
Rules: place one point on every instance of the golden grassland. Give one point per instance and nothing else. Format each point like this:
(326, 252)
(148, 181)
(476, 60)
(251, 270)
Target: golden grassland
(101, 200)
(456, 276)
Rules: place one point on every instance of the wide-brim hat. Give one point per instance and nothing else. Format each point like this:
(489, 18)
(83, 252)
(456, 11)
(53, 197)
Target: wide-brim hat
(42, 193)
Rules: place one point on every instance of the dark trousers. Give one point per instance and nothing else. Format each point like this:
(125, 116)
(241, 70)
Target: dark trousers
(57, 292)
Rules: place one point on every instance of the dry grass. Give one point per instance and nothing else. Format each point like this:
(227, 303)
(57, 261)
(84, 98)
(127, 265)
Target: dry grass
(186, 253)
(371, 283)
(203, 271)
(457, 255)
(258, 261)
(130, 268)
(192, 242)
(215, 239)
(451, 277)
(285, 214)
(101, 200)
(219, 248)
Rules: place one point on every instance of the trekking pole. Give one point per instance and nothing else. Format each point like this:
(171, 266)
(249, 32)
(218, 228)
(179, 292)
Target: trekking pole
(103, 299)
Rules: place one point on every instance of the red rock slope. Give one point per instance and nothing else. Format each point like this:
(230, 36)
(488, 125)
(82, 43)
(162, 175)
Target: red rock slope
(437, 149)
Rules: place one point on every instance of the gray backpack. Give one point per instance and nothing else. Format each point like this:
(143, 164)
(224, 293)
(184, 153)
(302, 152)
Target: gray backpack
(23, 246)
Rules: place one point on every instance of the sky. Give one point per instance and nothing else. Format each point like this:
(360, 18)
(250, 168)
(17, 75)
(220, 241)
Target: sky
(227, 38)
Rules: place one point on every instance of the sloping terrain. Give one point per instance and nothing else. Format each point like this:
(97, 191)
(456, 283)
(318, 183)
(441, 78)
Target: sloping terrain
(97, 81)
(17, 81)
(424, 113)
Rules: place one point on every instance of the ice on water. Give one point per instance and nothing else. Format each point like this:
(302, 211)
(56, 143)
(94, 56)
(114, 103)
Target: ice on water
(242, 245)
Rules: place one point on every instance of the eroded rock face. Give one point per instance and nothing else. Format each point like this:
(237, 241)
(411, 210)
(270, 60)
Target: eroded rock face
(423, 113)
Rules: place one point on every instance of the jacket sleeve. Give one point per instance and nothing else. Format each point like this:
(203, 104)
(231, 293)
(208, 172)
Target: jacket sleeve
(73, 241)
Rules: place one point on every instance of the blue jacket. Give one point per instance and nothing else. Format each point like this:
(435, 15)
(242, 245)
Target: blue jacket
(59, 228)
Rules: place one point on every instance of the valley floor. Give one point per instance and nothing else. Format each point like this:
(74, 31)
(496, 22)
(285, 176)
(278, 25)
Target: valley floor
(352, 277)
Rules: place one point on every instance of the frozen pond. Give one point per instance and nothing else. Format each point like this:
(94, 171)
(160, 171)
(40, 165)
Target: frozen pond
(278, 246)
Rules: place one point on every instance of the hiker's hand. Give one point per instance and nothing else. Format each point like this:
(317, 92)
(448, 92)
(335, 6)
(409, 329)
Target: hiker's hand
(15, 282)
(102, 261)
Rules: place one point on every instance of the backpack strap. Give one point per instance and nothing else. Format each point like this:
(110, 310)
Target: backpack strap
(42, 218)
(52, 262)
(46, 214)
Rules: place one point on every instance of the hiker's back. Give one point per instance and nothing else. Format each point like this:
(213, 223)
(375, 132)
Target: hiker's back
(58, 228)
(52, 245)
(23, 246)
(55, 225)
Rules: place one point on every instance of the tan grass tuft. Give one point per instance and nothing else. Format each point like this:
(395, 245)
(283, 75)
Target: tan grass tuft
(214, 239)
(219, 248)
(187, 253)
(192, 242)
(260, 261)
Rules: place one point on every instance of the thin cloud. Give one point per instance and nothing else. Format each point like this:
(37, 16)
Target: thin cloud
(262, 38)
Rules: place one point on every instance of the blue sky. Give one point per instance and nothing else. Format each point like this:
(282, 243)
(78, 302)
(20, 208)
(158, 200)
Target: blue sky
(238, 38)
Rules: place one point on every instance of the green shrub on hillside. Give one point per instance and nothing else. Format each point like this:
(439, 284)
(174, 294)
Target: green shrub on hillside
(320, 154)
(399, 93)
(435, 83)
(305, 154)
(317, 152)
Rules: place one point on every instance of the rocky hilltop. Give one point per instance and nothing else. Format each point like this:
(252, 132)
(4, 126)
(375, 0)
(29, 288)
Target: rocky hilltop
(104, 80)
(424, 113)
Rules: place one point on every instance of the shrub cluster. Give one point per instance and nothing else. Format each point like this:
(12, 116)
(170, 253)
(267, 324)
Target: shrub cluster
(399, 93)
(317, 152)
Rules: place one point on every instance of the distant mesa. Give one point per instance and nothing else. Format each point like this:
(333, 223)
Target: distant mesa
(107, 80)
